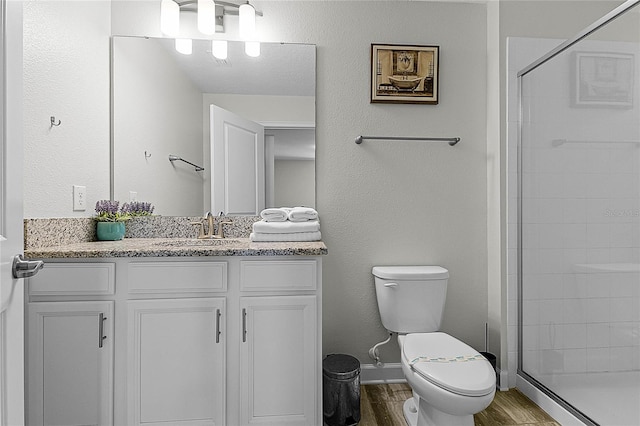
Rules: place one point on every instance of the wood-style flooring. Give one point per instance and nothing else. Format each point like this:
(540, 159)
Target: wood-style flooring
(381, 405)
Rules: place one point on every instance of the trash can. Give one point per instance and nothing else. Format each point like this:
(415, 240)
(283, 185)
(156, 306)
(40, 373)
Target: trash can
(341, 390)
(491, 358)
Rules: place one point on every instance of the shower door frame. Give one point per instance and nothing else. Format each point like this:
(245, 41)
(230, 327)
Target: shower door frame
(606, 19)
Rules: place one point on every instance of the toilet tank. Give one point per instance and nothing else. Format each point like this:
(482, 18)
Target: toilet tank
(411, 298)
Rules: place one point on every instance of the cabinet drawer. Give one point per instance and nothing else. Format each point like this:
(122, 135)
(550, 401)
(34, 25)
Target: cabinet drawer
(258, 275)
(81, 279)
(177, 277)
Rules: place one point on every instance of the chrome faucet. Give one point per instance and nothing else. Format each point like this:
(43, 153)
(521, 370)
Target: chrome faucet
(210, 224)
(221, 223)
(211, 221)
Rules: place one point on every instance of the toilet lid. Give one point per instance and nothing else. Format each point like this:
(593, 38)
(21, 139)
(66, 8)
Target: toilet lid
(449, 363)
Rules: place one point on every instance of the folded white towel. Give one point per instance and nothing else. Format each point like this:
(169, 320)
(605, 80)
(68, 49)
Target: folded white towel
(297, 236)
(275, 214)
(286, 227)
(300, 214)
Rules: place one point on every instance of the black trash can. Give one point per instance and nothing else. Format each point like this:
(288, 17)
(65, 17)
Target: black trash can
(341, 390)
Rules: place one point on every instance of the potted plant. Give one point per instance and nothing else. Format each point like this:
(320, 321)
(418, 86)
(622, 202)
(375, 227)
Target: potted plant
(110, 220)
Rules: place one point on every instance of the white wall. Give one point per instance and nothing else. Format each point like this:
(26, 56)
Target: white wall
(157, 111)
(264, 108)
(294, 183)
(66, 75)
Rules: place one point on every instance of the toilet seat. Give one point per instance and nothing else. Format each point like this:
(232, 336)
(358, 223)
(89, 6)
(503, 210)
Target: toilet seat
(448, 363)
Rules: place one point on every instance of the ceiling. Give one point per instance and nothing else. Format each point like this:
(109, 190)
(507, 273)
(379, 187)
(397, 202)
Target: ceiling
(281, 69)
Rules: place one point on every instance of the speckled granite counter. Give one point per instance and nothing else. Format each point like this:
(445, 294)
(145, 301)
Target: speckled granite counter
(171, 247)
(156, 236)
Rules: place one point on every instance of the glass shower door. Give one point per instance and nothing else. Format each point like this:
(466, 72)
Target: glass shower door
(580, 226)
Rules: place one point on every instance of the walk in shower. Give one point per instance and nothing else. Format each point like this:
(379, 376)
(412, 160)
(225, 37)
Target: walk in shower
(579, 221)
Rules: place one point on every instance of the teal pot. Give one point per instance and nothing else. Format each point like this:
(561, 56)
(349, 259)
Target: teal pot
(110, 231)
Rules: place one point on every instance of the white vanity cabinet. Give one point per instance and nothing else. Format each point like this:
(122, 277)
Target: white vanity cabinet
(205, 340)
(176, 360)
(278, 373)
(70, 347)
(278, 355)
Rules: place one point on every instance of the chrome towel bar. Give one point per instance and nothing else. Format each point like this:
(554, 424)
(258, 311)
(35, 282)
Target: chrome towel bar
(451, 141)
(173, 158)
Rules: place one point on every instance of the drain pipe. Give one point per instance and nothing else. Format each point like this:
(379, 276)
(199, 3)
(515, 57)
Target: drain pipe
(373, 352)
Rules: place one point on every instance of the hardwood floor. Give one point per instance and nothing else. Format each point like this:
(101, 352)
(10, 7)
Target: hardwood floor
(381, 405)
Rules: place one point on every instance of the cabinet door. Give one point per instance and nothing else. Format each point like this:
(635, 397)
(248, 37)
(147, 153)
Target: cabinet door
(69, 363)
(176, 362)
(279, 360)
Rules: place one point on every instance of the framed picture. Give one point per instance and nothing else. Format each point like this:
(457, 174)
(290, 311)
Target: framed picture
(405, 74)
(603, 80)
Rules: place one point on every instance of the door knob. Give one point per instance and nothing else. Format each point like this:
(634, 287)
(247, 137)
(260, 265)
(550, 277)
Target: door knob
(22, 268)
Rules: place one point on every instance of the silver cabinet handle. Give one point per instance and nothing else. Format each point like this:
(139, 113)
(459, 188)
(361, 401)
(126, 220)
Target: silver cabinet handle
(218, 314)
(22, 268)
(244, 325)
(101, 335)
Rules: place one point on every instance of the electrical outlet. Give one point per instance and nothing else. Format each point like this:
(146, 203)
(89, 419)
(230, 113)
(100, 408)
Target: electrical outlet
(133, 196)
(79, 198)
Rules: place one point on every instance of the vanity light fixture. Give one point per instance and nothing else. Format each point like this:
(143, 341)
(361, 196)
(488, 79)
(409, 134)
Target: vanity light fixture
(247, 21)
(170, 17)
(219, 49)
(184, 46)
(210, 19)
(252, 48)
(207, 16)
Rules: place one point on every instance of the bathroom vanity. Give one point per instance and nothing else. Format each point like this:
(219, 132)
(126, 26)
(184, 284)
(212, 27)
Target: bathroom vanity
(154, 331)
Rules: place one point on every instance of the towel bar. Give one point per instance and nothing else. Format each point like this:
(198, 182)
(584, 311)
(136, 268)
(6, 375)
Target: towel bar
(173, 158)
(451, 141)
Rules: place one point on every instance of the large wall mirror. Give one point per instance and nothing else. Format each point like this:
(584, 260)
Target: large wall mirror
(163, 105)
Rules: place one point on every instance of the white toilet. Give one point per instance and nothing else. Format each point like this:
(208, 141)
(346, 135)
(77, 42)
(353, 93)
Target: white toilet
(450, 380)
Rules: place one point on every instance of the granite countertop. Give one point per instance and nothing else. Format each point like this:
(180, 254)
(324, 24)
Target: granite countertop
(176, 247)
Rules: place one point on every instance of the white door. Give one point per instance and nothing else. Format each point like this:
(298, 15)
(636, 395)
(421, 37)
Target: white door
(11, 228)
(237, 164)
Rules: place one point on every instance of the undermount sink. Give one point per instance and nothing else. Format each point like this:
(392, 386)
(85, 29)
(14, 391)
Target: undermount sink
(192, 242)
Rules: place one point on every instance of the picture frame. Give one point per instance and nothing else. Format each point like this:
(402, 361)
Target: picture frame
(407, 74)
(603, 79)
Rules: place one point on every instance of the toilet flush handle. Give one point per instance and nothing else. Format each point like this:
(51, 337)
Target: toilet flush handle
(391, 284)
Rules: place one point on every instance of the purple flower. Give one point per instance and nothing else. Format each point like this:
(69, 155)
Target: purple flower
(108, 211)
(137, 208)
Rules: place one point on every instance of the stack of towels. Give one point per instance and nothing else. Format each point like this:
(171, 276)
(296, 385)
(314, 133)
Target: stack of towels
(287, 224)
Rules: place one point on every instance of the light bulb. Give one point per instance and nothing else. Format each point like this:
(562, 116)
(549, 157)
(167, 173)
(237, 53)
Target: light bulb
(219, 49)
(184, 46)
(247, 21)
(252, 48)
(207, 16)
(169, 17)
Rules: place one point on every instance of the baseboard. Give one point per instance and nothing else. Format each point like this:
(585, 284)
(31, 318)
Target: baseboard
(543, 401)
(503, 379)
(371, 374)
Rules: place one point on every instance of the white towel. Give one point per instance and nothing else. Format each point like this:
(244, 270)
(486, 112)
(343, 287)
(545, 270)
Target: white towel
(297, 236)
(275, 214)
(286, 227)
(300, 214)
